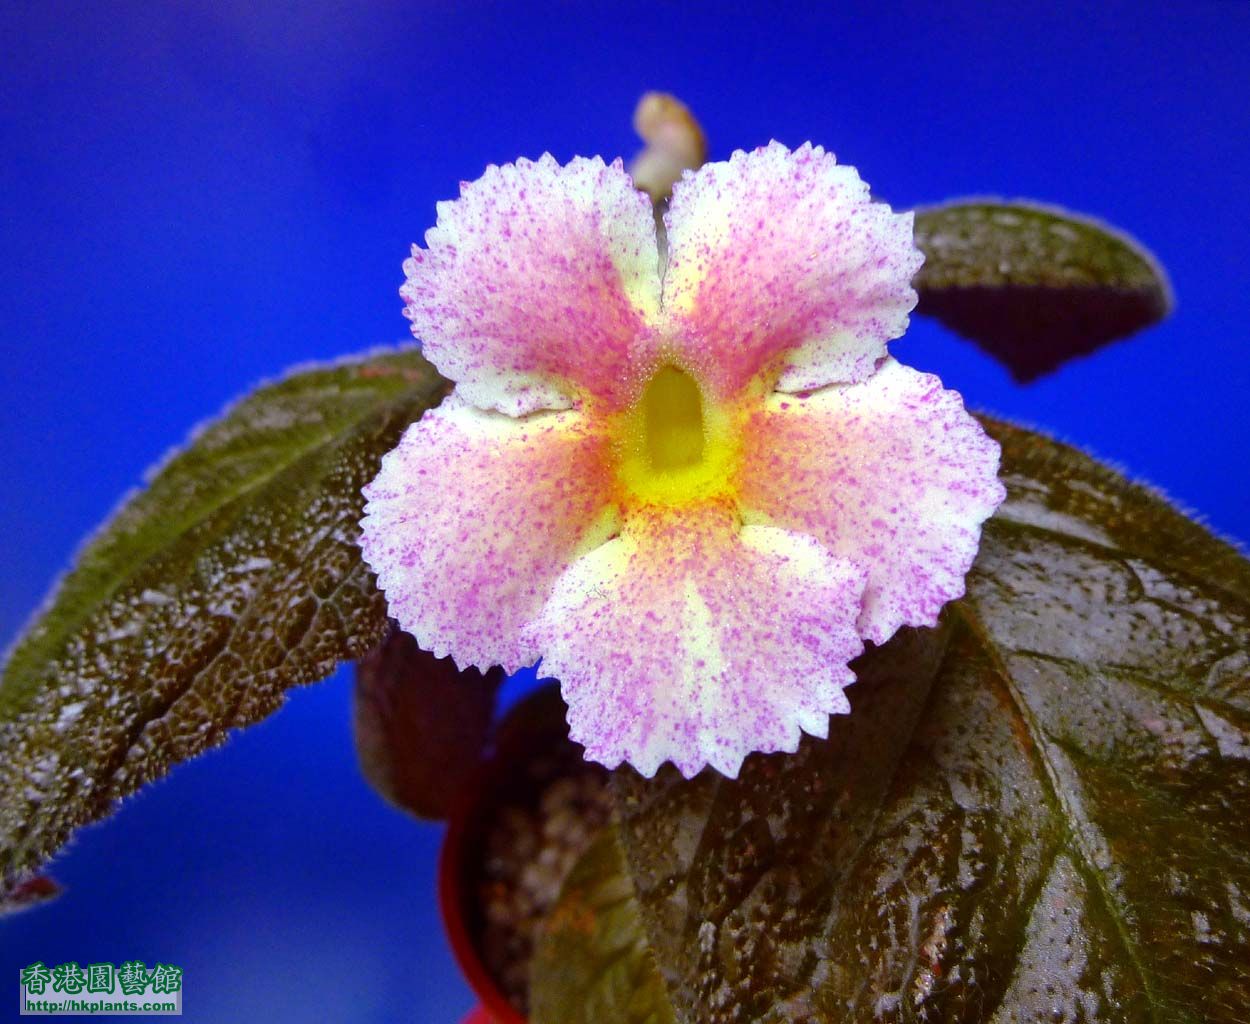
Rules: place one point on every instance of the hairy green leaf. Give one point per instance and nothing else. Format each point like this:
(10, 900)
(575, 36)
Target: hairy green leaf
(1034, 285)
(1037, 812)
(592, 965)
(234, 575)
(420, 724)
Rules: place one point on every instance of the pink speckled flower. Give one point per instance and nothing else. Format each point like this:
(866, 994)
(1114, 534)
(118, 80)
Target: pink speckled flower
(695, 488)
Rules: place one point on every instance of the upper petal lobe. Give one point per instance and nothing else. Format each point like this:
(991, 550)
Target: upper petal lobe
(780, 262)
(537, 284)
(893, 474)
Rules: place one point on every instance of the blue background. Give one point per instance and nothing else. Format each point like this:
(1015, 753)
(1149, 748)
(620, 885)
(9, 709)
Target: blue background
(195, 195)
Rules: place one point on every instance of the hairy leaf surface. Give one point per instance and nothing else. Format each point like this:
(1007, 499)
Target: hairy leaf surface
(231, 577)
(1037, 812)
(1034, 285)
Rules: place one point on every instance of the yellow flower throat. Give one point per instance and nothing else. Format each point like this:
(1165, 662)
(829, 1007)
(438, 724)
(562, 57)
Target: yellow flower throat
(675, 447)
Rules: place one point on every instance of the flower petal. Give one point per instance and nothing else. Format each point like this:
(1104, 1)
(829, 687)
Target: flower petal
(474, 516)
(694, 640)
(893, 474)
(536, 284)
(779, 261)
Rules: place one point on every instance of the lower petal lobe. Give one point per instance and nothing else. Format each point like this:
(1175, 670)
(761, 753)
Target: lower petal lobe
(692, 639)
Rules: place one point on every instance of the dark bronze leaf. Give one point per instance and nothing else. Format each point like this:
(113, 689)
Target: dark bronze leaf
(420, 724)
(1034, 285)
(1038, 812)
(29, 893)
(233, 576)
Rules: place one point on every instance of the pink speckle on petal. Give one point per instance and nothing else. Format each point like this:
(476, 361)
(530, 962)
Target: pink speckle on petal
(892, 474)
(474, 516)
(538, 285)
(780, 261)
(693, 640)
(692, 627)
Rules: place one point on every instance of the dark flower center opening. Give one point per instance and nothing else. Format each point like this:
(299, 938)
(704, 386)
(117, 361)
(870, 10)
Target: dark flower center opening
(674, 420)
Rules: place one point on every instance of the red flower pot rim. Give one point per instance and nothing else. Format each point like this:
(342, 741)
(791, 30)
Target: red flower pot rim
(526, 728)
(453, 894)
